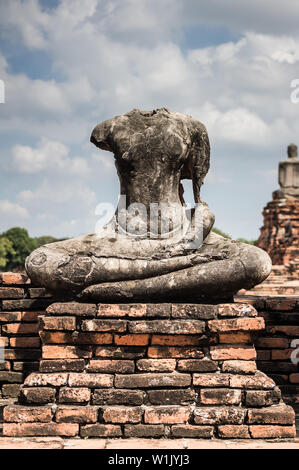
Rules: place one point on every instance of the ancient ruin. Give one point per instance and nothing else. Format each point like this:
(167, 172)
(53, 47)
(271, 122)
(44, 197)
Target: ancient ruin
(280, 232)
(151, 343)
(151, 250)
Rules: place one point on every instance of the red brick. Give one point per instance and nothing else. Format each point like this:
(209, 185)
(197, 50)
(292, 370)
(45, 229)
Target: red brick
(32, 316)
(75, 338)
(220, 396)
(11, 377)
(232, 431)
(176, 340)
(131, 340)
(58, 323)
(152, 380)
(239, 367)
(76, 414)
(62, 365)
(36, 379)
(11, 293)
(174, 352)
(119, 326)
(90, 380)
(156, 365)
(10, 390)
(38, 395)
(294, 378)
(24, 342)
(38, 292)
(289, 330)
(74, 395)
(119, 310)
(120, 352)
(121, 366)
(118, 397)
(233, 352)
(237, 324)
(197, 365)
(272, 343)
(144, 430)
(279, 414)
(27, 414)
(22, 354)
(66, 352)
(256, 398)
(40, 429)
(6, 317)
(14, 278)
(20, 328)
(219, 415)
(72, 308)
(180, 396)
(235, 338)
(278, 304)
(166, 415)
(101, 430)
(195, 311)
(167, 326)
(236, 310)
(272, 432)
(211, 380)
(263, 355)
(257, 381)
(121, 414)
(280, 354)
(188, 430)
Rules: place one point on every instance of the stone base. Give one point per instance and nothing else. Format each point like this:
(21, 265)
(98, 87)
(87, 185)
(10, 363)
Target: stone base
(149, 370)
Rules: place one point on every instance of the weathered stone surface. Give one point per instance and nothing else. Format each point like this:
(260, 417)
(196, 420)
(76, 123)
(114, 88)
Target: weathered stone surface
(232, 431)
(255, 398)
(144, 430)
(176, 260)
(38, 395)
(239, 367)
(111, 365)
(279, 414)
(76, 414)
(199, 432)
(171, 397)
(37, 379)
(122, 414)
(101, 430)
(166, 415)
(156, 365)
(118, 397)
(218, 396)
(219, 415)
(27, 414)
(40, 429)
(72, 308)
(152, 380)
(197, 365)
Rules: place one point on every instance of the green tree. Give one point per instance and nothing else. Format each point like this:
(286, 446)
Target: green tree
(219, 232)
(6, 251)
(22, 246)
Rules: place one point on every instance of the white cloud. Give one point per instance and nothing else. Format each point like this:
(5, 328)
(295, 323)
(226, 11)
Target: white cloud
(47, 155)
(8, 208)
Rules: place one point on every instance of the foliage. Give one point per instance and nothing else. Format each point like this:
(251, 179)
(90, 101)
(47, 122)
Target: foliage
(22, 246)
(219, 232)
(6, 251)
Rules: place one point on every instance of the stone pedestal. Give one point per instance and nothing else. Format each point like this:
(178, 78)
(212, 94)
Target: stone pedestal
(149, 370)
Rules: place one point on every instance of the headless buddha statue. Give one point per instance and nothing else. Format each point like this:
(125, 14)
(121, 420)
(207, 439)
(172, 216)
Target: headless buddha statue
(153, 248)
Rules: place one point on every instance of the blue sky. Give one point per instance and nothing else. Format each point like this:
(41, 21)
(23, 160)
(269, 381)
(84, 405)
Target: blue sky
(70, 64)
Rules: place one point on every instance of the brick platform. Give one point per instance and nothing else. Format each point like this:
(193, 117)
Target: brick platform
(154, 370)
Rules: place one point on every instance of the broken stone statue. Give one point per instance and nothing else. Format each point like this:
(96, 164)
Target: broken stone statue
(154, 248)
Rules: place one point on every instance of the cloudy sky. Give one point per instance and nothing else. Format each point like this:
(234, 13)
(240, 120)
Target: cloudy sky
(70, 64)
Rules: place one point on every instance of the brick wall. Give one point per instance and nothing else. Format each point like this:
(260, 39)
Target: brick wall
(274, 345)
(21, 304)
